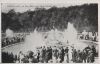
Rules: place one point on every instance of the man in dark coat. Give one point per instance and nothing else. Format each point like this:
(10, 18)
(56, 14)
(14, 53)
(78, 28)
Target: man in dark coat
(50, 52)
(62, 54)
(93, 53)
(44, 54)
(84, 56)
(47, 55)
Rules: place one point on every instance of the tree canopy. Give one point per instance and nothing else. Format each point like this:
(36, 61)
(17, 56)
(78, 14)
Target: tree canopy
(83, 17)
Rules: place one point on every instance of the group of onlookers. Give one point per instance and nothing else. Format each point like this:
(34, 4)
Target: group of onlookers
(93, 36)
(53, 55)
(9, 41)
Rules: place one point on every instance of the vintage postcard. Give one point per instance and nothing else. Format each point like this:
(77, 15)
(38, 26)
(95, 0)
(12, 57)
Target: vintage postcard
(49, 33)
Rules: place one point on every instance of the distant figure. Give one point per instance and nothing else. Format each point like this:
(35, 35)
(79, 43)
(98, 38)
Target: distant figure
(94, 51)
(84, 34)
(47, 55)
(31, 58)
(79, 56)
(21, 57)
(90, 57)
(38, 55)
(59, 56)
(62, 55)
(84, 56)
(87, 49)
(74, 55)
(55, 56)
(66, 55)
(93, 54)
(44, 54)
(50, 52)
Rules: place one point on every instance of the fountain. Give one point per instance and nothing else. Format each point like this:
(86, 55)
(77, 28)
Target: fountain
(33, 41)
(70, 34)
(9, 33)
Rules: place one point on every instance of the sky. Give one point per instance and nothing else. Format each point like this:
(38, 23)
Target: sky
(20, 7)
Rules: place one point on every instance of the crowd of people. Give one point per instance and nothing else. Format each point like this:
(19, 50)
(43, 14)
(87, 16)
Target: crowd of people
(52, 55)
(12, 40)
(49, 54)
(93, 36)
(8, 57)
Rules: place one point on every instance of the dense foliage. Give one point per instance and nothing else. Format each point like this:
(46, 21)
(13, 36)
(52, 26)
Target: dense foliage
(83, 17)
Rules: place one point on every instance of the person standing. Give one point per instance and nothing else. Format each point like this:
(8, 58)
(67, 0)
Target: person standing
(79, 56)
(62, 55)
(38, 55)
(74, 55)
(84, 56)
(87, 49)
(44, 54)
(94, 51)
(66, 55)
(21, 56)
(93, 54)
(47, 55)
(55, 56)
(50, 52)
(59, 55)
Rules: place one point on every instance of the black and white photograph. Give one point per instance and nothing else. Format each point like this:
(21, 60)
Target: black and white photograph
(45, 33)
